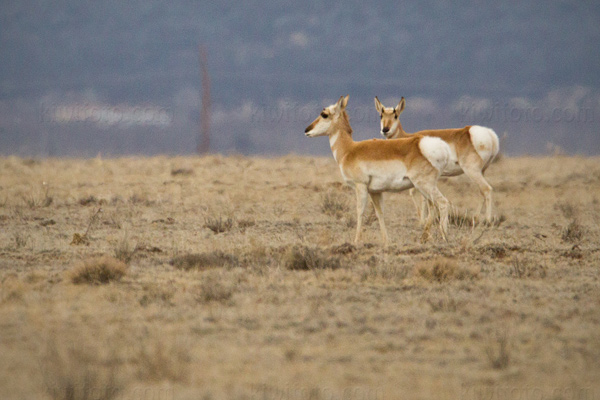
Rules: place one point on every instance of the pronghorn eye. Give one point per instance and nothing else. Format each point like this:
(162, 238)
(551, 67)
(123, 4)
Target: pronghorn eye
(324, 115)
(381, 116)
(396, 116)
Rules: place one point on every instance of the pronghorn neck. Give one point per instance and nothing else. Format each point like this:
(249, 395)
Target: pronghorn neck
(341, 139)
(400, 133)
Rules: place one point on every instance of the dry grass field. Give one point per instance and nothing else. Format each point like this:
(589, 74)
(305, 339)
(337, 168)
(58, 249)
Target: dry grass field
(233, 278)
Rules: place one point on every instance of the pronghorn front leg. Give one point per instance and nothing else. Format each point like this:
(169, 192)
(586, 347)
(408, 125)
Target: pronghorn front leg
(377, 199)
(362, 197)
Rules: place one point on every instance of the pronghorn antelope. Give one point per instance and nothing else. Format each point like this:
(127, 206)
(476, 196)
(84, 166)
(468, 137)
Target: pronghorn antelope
(472, 148)
(376, 166)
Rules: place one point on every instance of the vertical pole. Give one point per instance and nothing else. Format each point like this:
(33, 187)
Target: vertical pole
(204, 133)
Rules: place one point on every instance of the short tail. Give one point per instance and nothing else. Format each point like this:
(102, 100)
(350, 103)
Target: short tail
(486, 143)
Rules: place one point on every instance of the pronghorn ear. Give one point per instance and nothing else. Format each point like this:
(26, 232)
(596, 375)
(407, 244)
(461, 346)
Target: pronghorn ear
(378, 105)
(401, 105)
(344, 102)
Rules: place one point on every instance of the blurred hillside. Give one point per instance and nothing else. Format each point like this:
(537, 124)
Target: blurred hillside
(530, 69)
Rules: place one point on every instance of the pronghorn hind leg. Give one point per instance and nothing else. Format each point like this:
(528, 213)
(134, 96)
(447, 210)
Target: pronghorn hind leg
(430, 191)
(475, 174)
(377, 199)
(362, 197)
(419, 207)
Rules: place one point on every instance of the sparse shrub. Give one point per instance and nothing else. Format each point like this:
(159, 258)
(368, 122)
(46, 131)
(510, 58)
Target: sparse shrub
(496, 251)
(345, 248)
(573, 232)
(20, 240)
(244, 224)
(11, 290)
(182, 171)
(124, 251)
(444, 304)
(444, 269)
(215, 259)
(98, 270)
(212, 289)
(527, 269)
(218, 225)
(333, 204)
(140, 199)
(304, 258)
(498, 351)
(156, 293)
(71, 373)
(163, 360)
(86, 201)
(567, 209)
(385, 271)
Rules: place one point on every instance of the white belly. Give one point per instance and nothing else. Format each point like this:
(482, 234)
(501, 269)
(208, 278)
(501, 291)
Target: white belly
(386, 176)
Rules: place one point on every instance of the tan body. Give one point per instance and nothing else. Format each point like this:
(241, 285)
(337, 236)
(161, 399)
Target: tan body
(376, 166)
(473, 148)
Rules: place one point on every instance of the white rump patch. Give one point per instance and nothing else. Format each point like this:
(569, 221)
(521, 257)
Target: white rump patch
(436, 151)
(486, 142)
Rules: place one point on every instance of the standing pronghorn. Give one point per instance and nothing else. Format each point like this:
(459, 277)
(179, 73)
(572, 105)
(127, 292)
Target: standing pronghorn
(377, 166)
(472, 148)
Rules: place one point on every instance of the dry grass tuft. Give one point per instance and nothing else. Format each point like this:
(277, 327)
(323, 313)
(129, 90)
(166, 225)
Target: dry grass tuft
(11, 290)
(182, 172)
(124, 251)
(72, 373)
(573, 233)
(303, 258)
(333, 204)
(162, 360)
(498, 351)
(202, 261)
(98, 270)
(385, 271)
(345, 248)
(443, 269)
(86, 201)
(157, 293)
(527, 269)
(567, 209)
(218, 225)
(212, 289)
(20, 239)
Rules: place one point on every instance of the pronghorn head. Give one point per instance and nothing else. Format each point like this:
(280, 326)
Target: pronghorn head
(322, 126)
(389, 117)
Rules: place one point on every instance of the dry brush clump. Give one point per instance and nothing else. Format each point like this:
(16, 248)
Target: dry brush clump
(527, 268)
(498, 350)
(444, 269)
(333, 204)
(213, 289)
(302, 258)
(219, 224)
(202, 261)
(98, 270)
(159, 360)
(573, 232)
(72, 371)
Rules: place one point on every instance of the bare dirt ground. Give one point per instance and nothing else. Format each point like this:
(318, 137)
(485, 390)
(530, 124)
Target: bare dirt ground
(233, 278)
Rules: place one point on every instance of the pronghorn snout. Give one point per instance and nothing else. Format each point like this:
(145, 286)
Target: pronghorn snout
(385, 129)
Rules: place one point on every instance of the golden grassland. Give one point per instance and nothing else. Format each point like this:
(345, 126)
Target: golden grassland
(233, 278)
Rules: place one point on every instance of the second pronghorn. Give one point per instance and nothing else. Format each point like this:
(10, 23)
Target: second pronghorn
(376, 166)
(473, 148)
